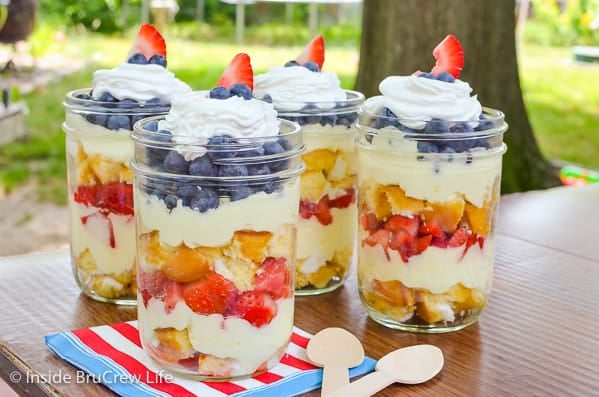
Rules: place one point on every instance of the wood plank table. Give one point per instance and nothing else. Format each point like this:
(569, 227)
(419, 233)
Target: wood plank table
(537, 337)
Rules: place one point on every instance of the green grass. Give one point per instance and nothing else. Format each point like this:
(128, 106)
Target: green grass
(562, 99)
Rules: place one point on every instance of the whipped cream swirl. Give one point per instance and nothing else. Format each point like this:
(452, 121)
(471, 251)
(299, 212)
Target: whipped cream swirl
(139, 82)
(416, 100)
(291, 87)
(195, 117)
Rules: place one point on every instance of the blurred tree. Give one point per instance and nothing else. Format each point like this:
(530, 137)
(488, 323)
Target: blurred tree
(398, 38)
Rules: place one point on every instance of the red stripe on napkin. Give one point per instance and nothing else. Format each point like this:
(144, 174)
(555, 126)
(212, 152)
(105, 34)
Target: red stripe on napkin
(137, 369)
(296, 362)
(299, 340)
(128, 331)
(268, 377)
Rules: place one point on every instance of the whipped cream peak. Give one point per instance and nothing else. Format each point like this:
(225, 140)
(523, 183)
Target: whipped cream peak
(416, 100)
(139, 82)
(292, 86)
(195, 117)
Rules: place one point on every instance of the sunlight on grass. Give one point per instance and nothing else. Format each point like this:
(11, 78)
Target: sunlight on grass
(562, 100)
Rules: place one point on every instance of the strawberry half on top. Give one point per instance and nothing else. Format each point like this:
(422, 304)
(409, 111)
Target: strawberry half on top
(149, 47)
(239, 71)
(449, 56)
(313, 52)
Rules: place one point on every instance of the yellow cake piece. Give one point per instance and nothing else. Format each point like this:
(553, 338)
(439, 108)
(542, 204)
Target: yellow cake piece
(189, 264)
(478, 218)
(401, 203)
(251, 244)
(447, 214)
(152, 252)
(209, 365)
(174, 345)
(322, 160)
(375, 199)
(105, 170)
(312, 185)
(281, 243)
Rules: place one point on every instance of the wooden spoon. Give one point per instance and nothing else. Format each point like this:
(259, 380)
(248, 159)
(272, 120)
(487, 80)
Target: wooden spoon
(410, 365)
(336, 350)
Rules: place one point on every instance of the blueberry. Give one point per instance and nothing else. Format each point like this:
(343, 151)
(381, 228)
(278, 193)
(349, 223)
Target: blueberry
(267, 98)
(436, 126)
(347, 119)
(158, 60)
(427, 147)
(311, 118)
(186, 191)
(239, 192)
(285, 144)
(312, 66)
(273, 148)
(170, 201)
(426, 75)
(482, 142)
(107, 97)
(484, 124)
(251, 151)
(447, 149)
(387, 118)
(98, 119)
(463, 145)
(446, 77)
(230, 170)
(153, 102)
(241, 90)
(217, 153)
(152, 126)
(83, 96)
(258, 169)
(271, 186)
(204, 200)
(116, 122)
(330, 119)
(135, 119)
(175, 163)
(202, 166)
(461, 127)
(127, 103)
(138, 58)
(220, 92)
(291, 63)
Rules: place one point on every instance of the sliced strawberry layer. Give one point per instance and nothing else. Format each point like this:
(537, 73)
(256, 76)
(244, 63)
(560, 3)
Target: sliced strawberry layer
(115, 198)
(412, 235)
(274, 278)
(313, 52)
(148, 42)
(322, 209)
(156, 285)
(449, 56)
(239, 70)
(209, 295)
(256, 307)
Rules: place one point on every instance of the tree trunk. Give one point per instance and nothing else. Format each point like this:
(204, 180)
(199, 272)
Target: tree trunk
(398, 38)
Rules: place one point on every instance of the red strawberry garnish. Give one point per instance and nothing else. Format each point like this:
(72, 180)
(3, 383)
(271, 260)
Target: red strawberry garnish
(370, 223)
(209, 295)
(273, 277)
(400, 222)
(343, 201)
(380, 237)
(238, 71)
(313, 52)
(149, 42)
(323, 211)
(114, 197)
(449, 56)
(432, 227)
(152, 285)
(459, 237)
(423, 243)
(402, 242)
(258, 308)
(174, 294)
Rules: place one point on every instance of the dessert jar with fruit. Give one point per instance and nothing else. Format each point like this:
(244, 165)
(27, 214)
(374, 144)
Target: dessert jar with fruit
(216, 197)
(302, 92)
(429, 170)
(98, 124)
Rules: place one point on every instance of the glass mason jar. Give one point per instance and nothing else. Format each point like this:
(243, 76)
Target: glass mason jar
(100, 189)
(326, 246)
(216, 236)
(428, 197)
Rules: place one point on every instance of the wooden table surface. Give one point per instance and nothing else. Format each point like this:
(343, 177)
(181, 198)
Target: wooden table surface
(537, 337)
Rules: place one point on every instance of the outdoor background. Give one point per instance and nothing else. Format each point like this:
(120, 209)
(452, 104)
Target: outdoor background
(69, 39)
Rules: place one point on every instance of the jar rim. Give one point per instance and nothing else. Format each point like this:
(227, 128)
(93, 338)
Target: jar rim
(301, 108)
(72, 103)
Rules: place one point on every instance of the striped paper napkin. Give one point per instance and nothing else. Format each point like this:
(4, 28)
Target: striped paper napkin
(113, 356)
